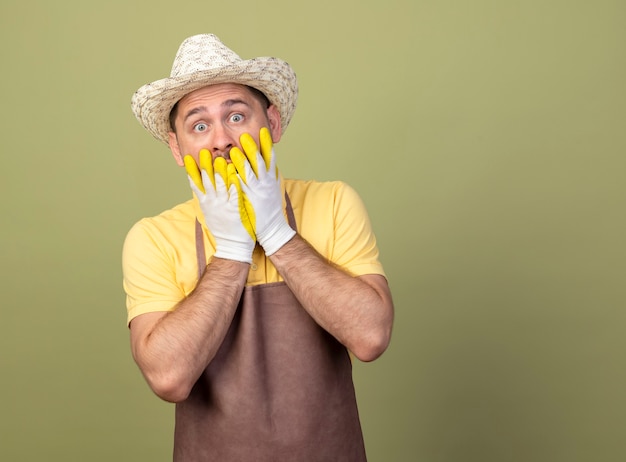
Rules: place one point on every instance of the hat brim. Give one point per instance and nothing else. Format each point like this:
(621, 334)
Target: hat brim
(152, 103)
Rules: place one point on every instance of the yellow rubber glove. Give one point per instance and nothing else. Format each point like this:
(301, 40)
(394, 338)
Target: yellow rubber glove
(221, 200)
(262, 191)
(205, 164)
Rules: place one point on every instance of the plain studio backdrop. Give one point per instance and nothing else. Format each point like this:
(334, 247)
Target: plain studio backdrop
(487, 140)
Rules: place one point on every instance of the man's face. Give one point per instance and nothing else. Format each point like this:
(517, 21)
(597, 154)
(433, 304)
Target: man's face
(214, 118)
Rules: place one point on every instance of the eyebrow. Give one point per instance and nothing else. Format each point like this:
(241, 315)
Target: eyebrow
(226, 104)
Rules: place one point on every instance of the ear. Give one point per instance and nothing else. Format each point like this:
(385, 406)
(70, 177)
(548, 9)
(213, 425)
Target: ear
(275, 127)
(173, 142)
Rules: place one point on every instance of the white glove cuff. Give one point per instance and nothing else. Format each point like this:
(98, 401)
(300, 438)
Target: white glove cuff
(276, 238)
(242, 255)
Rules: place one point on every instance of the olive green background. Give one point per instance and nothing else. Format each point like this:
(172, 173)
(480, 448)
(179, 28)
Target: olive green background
(487, 139)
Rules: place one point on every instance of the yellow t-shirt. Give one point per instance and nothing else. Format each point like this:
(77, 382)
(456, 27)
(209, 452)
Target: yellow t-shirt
(159, 255)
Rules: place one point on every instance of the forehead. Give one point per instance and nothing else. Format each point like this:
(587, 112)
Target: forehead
(216, 94)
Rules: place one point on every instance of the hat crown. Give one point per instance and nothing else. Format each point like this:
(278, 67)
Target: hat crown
(200, 53)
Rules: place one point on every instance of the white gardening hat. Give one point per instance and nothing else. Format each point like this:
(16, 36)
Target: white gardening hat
(204, 60)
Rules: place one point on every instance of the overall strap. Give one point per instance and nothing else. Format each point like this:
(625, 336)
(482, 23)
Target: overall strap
(200, 253)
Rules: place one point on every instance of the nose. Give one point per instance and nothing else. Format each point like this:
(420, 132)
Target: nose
(222, 142)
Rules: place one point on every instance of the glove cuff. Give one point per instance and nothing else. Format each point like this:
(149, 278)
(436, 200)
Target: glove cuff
(232, 253)
(275, 238)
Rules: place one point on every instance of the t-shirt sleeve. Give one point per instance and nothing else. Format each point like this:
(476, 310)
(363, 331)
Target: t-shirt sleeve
(355, 247)
(148, 273)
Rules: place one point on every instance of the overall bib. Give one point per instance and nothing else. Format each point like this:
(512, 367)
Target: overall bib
(279, 388)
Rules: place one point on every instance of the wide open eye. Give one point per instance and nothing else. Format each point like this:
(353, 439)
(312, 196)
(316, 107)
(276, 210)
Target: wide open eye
(236, 118)
(201, 127)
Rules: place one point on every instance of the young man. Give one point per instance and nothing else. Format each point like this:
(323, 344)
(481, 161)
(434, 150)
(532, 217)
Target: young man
(244, 302)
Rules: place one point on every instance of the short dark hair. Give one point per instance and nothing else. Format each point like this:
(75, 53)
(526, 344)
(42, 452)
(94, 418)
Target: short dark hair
(258, 94)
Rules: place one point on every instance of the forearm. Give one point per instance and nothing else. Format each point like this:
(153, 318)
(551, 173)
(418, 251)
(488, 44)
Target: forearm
(358, 314)
(173, 352)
